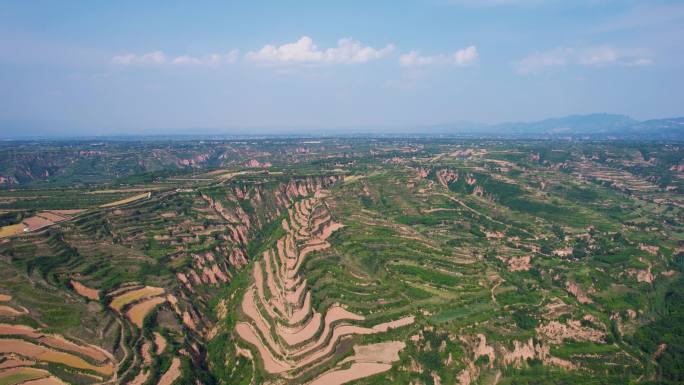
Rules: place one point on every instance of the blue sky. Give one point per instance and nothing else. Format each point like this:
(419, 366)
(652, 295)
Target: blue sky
(105, 67)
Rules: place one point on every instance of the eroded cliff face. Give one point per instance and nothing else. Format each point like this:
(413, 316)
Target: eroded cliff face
(246, 210)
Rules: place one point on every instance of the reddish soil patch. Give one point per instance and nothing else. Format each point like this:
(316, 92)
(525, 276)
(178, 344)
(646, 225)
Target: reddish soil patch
(172, 374)
(41, 353)
(520, 263)
(305, 336)
(85, 291)
(141, 378)
(13, 363)
(52, 217)
(271, 364)
(575, 290)
(54, 341)
(134, 295)
(557, 332)
(37, 223)
(10, 311)
(160, 343)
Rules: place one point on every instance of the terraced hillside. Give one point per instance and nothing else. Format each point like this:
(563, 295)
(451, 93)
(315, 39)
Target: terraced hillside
(136, 279)
(396, 261)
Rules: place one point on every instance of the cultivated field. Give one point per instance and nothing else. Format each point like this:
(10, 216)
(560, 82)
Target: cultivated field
(403, 261)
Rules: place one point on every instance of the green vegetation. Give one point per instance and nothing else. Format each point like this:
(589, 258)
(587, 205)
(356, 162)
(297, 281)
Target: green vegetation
(567, 251)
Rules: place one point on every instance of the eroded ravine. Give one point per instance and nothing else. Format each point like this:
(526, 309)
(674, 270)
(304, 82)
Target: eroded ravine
(290, 336)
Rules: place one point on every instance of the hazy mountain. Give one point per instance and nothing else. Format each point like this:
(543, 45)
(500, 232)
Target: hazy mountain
(591, 126)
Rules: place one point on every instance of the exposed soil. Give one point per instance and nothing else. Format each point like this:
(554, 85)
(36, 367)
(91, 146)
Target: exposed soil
(279, 299)
(172, 374)
(85, 291)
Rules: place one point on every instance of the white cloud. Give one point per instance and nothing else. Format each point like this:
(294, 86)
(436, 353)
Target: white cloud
(597, 56)
(460, 58)
(304, 51)
(593, 56)
(640, 62)
(465, 56)
(157, 58)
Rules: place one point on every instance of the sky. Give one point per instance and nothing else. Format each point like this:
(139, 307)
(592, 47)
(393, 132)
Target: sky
(163, 67)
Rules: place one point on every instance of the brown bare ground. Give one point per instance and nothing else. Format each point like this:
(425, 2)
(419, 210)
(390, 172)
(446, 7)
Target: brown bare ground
(145, 352)
(160, 342)
(37, 223)
(134, 295)
(5, 297)
(11, 363)
(520, 263)
(8, 231)
(172, 374)
(575, 290)
(50, 216)
(141, 378)
(40, 353)
(271, 364)
(557, 332)
(303, 334)
(85, 291)
(59, 342)
(9, 311)
(55, 341)
(386, 352)
(306, 337)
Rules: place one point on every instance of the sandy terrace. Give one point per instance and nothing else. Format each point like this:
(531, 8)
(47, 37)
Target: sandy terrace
(37, 223)
(141, 378)
(172, 374)
(55, 341)
(134, 295)
(139, 311)
(52, 216)
(367, 360)
(160, 343)
(41, 353)
(305, 336)
(85, 291)
(8, 231)
(9, 311)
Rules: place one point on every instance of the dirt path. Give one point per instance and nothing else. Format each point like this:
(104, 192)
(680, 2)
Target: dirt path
(494, 289)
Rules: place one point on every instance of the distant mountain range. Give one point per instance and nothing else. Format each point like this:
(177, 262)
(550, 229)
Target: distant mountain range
(592, 126)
